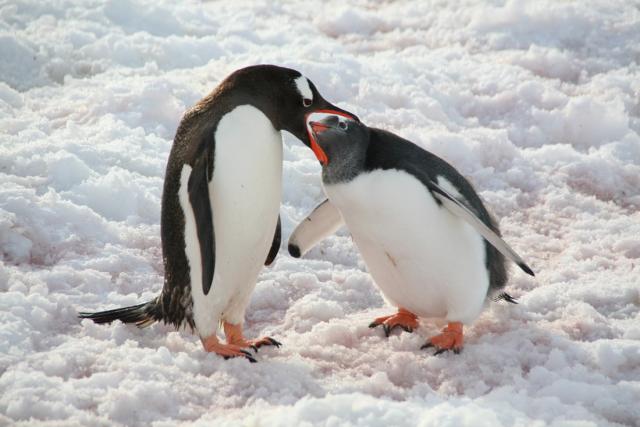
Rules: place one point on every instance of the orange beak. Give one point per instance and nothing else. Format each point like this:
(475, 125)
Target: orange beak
(317, 129)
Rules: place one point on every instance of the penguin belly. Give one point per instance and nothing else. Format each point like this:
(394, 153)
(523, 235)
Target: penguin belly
(423, 258)
(245, 192)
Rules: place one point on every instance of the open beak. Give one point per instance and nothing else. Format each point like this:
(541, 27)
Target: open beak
(315, 128)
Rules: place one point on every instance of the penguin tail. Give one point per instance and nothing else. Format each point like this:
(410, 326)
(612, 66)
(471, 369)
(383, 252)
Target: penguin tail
(142, 315)
(506, 297)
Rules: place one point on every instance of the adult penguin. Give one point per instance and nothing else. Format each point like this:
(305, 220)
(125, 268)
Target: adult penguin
(220, 204)
(426, 237)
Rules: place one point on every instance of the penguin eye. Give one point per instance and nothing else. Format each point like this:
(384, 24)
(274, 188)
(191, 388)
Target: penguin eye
(307, 102)
(342, 125)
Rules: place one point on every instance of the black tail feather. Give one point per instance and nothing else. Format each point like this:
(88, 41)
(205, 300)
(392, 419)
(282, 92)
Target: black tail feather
(142, 314)
(505, 296)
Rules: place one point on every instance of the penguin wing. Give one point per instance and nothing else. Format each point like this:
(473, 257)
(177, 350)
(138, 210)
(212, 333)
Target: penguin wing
(324, 220)
(198, 189)
(460, 210)
(275, 245)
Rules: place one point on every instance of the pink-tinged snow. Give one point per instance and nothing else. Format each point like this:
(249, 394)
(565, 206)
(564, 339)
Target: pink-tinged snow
(537, 102)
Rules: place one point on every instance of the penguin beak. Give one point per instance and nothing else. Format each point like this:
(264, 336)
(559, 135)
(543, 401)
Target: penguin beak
(335, 111)
(314, 129)
(315, 147)
(317, 128)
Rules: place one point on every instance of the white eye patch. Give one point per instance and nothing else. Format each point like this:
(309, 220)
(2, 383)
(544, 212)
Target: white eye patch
(302, 84)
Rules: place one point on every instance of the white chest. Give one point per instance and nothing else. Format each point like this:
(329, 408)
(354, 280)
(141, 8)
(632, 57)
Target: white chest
(246, 189)
(245, 192)
(247, 179)
(421, 256)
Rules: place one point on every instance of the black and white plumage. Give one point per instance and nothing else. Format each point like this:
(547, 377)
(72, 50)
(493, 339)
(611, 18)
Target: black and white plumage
(221, 198)
(429, 242)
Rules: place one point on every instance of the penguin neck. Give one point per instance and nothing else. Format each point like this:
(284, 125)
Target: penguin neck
(343, 166)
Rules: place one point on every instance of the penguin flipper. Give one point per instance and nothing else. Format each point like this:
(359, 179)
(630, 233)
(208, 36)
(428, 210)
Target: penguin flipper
(198, 188)
(460, 210)
(324, 220)
(275, 245)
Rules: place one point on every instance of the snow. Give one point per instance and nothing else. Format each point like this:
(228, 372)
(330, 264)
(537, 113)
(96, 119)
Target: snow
(535, 101)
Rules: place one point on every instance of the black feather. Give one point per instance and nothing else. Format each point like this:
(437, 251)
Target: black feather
(200, 202)
(142, 314)
(506, 297)
(275, 245)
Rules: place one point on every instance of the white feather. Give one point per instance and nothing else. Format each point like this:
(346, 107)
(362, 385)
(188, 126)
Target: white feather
(302, 83)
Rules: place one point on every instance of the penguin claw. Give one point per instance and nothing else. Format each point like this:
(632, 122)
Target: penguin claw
(256, 344)
(248, 356)
(374, 324)
(440, 350)
(274, 342)
(235, 337)
(387, 330)
(226, 351)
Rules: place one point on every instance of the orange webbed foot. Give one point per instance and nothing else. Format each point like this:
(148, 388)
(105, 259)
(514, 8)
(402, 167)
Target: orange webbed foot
(213, 345)
(235, 337)
(451, 338)
(403, 319)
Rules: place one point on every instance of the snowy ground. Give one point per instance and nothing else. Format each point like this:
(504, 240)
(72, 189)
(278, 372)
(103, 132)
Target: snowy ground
(537, 102)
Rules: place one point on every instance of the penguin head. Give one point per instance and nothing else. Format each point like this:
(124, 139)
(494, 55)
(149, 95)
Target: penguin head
(287, 97)
(343, 144)
(314, 107)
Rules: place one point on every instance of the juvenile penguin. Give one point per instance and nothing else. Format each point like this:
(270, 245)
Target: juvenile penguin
(220, 204)
(426, 237)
